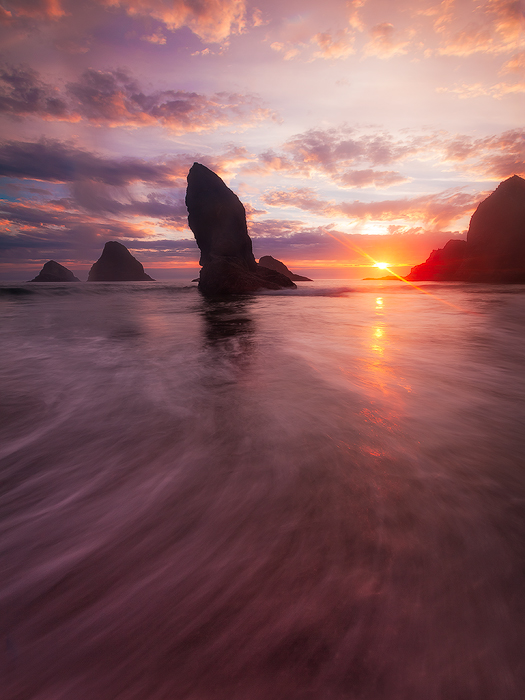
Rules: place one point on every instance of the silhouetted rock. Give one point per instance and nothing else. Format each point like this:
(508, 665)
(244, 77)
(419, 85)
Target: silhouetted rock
(495, 247)
(55, 272)
(116, 264)
(273, 264)
(218, 221)
(442, 264)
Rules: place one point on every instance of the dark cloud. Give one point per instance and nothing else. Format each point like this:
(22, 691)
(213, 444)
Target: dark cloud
(115, 98)
(55, 161)
(23, 93)
(326, 245)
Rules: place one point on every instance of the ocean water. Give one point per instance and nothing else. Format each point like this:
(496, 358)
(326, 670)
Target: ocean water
(307, 495)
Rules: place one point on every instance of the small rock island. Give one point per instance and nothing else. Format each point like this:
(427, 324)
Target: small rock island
(495, 247)
(55, 272)
(116, 264)
(218, 221)
(274, 264)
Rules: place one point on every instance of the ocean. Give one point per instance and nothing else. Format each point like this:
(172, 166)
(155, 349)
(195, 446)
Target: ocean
(314, 494)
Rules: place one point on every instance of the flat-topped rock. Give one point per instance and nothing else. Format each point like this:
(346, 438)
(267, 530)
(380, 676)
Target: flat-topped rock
(218, 220)
(55, 272)
(116, 264)
(273, 264)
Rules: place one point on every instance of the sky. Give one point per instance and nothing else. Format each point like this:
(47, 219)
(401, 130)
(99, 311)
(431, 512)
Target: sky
(347, 129)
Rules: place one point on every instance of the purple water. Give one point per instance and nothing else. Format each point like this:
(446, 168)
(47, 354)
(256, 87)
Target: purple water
(309, 495)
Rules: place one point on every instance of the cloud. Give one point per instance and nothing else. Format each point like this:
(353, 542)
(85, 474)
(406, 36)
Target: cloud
(384, 42)
(37, 9)
(371, 178)
(297, 243)
(352, 158)
(301, 197)
(155, 38)
(516, 64)
(336, 45)
(492, 157)
(494, 27)
(335, 153)
(496, 91)
(23, 93)
(114, 98)
(54, 161)
(211, 20)
(435, 211)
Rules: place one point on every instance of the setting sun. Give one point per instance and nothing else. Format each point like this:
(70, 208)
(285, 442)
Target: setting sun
(381, 265)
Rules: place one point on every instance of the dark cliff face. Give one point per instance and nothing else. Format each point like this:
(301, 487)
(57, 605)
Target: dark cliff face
(116, 264)
(55, 272)
(218, 221)
(496, 236)
(274, 264)
(495, 247)
(217, 218)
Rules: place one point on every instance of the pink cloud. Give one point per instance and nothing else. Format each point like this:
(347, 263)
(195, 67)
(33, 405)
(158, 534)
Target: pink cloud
(339, 44)
(435, 211)
(114, 98)
(211, 20)
(385, 42)
(350, 157)
(371, 178)
(38, 9)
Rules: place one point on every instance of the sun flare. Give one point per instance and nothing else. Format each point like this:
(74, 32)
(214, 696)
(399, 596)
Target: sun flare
(381, 265)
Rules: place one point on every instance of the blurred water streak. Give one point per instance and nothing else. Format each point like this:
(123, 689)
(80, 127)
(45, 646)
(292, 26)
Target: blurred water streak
(316, 494)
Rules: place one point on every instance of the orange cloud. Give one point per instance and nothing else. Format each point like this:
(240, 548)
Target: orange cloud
(339, 44)
(494, 27)
(211, 20)
(384, 42)
(39, 9)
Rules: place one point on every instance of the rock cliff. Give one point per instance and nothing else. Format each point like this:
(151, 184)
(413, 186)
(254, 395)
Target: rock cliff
(495, 247)
(116, 264)
(55, 272)
(218, 221)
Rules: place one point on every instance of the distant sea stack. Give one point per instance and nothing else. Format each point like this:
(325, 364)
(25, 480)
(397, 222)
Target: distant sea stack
(116, 264)
(218, 221)
(278, 266)
(55, 272)
(495, 247)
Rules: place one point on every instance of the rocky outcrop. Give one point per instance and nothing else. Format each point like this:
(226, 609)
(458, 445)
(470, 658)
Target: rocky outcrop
(495, 247)
(218, 221)
(442, 264)
(55, 272)
(273, 264)
(116, 264)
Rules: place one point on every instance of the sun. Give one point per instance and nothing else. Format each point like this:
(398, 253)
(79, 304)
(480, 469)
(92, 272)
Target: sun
(381, 265)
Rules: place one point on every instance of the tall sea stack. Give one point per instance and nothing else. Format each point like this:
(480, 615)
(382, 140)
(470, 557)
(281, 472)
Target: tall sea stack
(495, 247)
(116, 264)
(218, 221)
